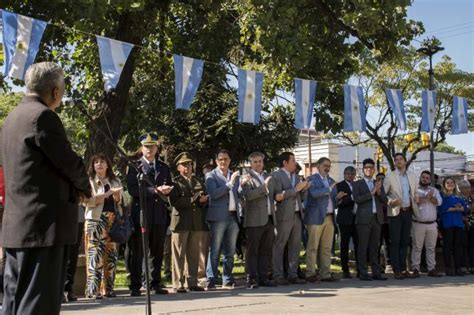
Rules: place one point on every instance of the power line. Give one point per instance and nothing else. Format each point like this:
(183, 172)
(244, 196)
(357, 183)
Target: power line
(454, 35)
(449, 27)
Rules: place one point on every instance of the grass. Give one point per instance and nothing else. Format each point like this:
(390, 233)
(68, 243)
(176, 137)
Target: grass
(121, 280)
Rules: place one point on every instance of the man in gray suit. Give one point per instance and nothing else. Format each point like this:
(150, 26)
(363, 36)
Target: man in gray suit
(259, 221)
(288, 193)
(369, 197)
(222, 186)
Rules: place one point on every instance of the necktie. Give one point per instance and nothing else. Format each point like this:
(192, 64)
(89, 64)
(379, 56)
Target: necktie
(152, 169)
(370, 183)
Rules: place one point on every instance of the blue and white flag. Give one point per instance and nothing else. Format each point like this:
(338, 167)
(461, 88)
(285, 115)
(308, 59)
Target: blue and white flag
(113, 56)
(354, 108)
(187, 75)
(428, 102)
(21, 39)
(250, 96)
(459, 115)
(395, 100)
(305, 91)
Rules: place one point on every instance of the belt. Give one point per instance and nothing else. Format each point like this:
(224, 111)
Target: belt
(426, 222)
(406, 208)
(329, 214)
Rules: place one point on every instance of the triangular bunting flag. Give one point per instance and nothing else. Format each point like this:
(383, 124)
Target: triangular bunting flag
(113, 56)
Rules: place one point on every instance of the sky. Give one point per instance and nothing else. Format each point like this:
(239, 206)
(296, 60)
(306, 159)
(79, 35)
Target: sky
(451, 21)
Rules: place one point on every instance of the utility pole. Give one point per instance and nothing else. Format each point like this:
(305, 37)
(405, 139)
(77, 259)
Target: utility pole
(429, 50)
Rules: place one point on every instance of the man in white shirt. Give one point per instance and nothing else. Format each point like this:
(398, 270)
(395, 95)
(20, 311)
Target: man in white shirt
(425, 228)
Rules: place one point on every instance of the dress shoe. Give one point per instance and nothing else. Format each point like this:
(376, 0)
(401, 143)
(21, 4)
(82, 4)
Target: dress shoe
(331, 278)
(210, 287)
(459, 273)
(70, 297)
(110, 294)
(231, 286)
(398, 276)
(159, 290)
(296, 280)
(346, 275)
(94, 296)
(365, 277)
(180, 290)
(433, 273)
(267, 283)
(313, 279)
(196, 289)
(252, 285)
(282, 281)
(379, 277)
(135, 293)
(408, 275)
(415, 274)
(449, 273)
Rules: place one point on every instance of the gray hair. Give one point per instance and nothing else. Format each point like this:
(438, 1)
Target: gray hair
(463, 183)
(42, 77)
(253, 155)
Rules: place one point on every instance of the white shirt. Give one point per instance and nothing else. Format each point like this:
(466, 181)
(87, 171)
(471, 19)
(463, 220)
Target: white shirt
(262, 180)
(326, 184)
(292, 178)
(370, 183)
(232, 204)
(426, 209)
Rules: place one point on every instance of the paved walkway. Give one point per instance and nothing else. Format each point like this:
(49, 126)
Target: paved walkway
(447, 295)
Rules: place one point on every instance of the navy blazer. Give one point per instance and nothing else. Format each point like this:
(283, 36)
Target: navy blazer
(216, 186)
(156, 206)
(317, 201)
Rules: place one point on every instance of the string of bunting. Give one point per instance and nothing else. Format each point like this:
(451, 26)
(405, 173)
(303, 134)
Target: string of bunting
(22, 36)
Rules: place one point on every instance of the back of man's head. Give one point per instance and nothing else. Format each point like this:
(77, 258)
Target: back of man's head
(41, 78)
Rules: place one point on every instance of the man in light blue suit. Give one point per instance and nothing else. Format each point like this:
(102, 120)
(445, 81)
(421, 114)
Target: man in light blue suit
(319, 220)
(223, 216)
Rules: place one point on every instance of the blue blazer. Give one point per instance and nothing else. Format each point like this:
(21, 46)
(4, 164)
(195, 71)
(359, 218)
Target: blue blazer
(317, 200)
(219, 196)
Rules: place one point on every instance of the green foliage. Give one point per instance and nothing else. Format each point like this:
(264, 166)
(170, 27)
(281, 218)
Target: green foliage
(321, 40)
(8, 102)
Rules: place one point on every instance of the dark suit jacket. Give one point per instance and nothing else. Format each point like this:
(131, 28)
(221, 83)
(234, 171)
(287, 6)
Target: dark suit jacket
(187, 215)
(345, 205)
(42, 178)
(363, 199)
(216, 186)
(156, 205)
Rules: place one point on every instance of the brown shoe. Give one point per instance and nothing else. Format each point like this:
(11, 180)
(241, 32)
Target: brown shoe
(415, 274)
(433, 273)
(398, 276)
(408, 275)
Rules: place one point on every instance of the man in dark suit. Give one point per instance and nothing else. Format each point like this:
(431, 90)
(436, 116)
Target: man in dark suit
(43, 179)
(259, 221)
(157, 215)
(223, 216)
(345, 218)
(369, 197)
(188, 223)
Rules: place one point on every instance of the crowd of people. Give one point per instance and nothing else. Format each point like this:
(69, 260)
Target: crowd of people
(277, 213)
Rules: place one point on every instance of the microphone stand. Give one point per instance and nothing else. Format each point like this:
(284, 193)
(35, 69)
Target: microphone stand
(142, 181)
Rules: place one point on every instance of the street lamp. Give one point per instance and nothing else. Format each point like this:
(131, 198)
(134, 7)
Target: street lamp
(429, 51)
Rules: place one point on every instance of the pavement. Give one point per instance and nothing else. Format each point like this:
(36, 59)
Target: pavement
(446, 295)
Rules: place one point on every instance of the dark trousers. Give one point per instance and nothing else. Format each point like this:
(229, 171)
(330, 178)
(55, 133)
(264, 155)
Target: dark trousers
(259, 251)
(347, 231)
(452, 247)
(72, 260)
(369, 238)
(34, 280)
(134, 255)
(471, 247)
(385, 241)
(400, 227)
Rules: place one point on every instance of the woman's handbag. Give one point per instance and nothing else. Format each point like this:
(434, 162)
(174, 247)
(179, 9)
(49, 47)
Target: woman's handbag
(121, 228)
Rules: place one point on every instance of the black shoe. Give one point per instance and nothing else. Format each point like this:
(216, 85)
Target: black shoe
(282, 281)
(379, 277)
(313, 279)
(459, 273)
(449, 273)
(267, 283)
(365, 277)
(159, 290)
(296, 280)
(110, 294)
(135, 292)
(180, 290)
(196, 289)
(211, 286)
(346, 275)
(252, 284)
(415, 274)
(70, 297)
(330, 279)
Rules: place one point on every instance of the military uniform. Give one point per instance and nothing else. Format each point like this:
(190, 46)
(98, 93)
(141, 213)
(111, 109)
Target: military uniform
(188, 224)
